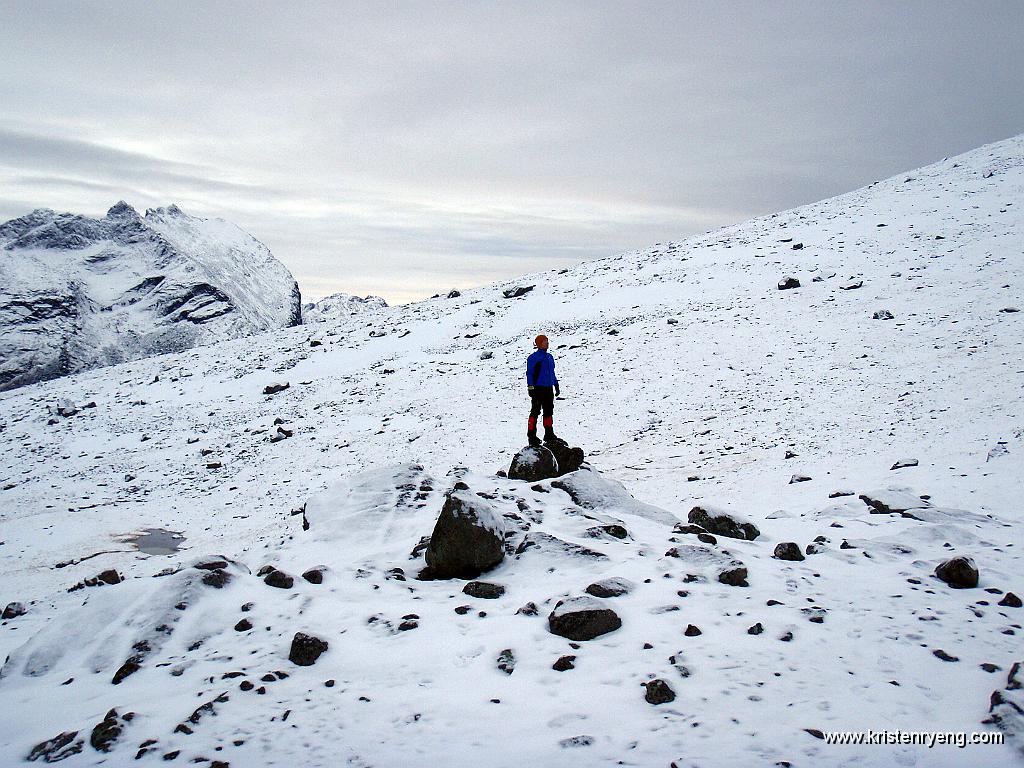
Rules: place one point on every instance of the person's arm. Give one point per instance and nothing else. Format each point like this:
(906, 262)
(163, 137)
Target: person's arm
(558, 391)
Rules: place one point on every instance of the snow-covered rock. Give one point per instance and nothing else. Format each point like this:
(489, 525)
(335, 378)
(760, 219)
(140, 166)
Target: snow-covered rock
(79, 293)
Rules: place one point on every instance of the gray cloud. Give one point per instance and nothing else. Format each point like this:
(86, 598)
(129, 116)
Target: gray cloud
(407, 148)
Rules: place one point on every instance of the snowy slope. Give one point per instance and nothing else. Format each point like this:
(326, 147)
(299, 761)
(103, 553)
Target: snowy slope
(77, 293)
(688, 377)
(338, 306)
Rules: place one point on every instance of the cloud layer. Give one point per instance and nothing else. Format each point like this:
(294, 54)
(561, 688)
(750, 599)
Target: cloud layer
(405, 149)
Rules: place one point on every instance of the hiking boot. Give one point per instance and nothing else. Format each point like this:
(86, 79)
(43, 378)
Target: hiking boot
(551, 437)
(533, 439)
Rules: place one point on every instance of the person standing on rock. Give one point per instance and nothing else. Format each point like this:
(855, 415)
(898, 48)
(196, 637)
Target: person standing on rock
(542, 386)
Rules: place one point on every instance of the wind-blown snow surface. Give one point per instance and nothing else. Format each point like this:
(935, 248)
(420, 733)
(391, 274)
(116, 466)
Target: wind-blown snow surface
(687, 376)
(77, 293)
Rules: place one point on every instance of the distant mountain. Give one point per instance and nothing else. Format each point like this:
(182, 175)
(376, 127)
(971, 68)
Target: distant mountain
(79, 293)
(338, 306)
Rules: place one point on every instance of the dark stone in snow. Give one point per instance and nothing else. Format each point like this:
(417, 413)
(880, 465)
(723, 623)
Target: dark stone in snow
(58, 748)
(840, 494)
(211, 565)
(612, 529)
(958, 572)
(533, 463)
(316, 575)
(613, 587)
(306, 649)
(582, 618)
(279, 579)
(1010, 601)
(530, 609)
(517, 291)
(734, 577)
(243, 626)
(904, 463)
(217, 578)
(468, 538)
(882, 314)
(788, 282)
(14, 610)
(757, 629)
(659, 692)
(484, 590)
(852, 286)
(707, 538)
(941, 654)
(564, 664)
(798, 478)
(273, 389)
(567, 458)
(107, 731)
(788, 550)
(507, 661)
(723, 524)
(692, 630)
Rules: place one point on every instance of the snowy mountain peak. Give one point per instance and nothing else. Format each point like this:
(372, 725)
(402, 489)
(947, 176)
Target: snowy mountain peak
(78, 292)
(121, 209)
(340, 305)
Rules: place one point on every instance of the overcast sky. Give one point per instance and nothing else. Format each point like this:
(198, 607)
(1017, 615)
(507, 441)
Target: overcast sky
(404, 149)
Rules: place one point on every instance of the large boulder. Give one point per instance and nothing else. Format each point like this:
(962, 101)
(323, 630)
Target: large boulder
(582, 618)
(468, 538)
(723, 523)
(533, 463)
(958, 572)
(1006, 707)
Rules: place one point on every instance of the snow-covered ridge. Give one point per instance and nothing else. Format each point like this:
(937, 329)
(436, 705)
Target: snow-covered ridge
(77, 292)
(338, 306)
(878, 446)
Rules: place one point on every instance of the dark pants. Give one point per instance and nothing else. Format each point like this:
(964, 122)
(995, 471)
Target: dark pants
(542, 399)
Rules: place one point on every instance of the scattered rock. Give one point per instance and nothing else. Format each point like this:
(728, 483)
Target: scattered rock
(517, 291)
(852, 286)
(279, 579)
(882, 314)
(692, 630)
(217, 578)
(904, 463)
(757, 629)
(723, 523)
(958, 572)
(659, 692)
(484, 590)
(788, 282)
(306, 649)
(582, 618)
(507, 661)
(734, 577)
(243, 626)
(798, 478)
(58, 748)
(107, 731)
(564, 664)
(612, 587)
(840, 493)
(941, 654)
(273, 389)
(1010, 600)
(468, 538)
(530, 609)
(788, 550)
(14, 610)
(316, 575)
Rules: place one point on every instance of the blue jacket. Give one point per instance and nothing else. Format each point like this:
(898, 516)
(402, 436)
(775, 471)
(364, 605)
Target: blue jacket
(540, 370)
